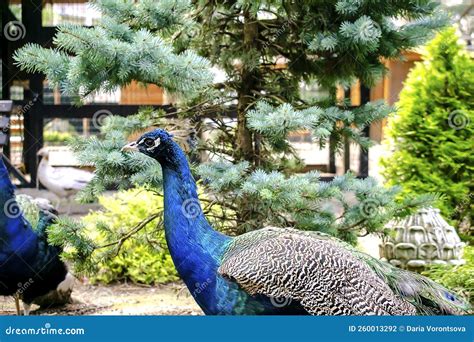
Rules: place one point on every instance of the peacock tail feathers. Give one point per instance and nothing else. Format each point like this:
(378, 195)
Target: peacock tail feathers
(355, 282)
(429, 297)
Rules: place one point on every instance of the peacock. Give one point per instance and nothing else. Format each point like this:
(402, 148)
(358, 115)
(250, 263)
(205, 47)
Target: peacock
(278, 271)
(30, 268)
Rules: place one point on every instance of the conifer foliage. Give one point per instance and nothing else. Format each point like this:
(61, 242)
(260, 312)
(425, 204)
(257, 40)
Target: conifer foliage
(129, 44)
(266, 49)
(432, 134)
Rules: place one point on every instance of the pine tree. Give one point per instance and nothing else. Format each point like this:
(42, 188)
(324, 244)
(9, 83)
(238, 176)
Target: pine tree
(331, 42)
(432, 134)
(267, 49)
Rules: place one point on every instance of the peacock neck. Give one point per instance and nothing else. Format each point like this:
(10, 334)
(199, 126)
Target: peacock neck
(6, 186)
(194, 245)
(184, 218)
(15, 234)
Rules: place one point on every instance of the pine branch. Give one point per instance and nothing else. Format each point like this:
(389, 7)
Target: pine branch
(119, 242)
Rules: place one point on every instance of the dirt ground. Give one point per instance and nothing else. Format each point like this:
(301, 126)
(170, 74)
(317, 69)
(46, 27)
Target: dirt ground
(120, 299)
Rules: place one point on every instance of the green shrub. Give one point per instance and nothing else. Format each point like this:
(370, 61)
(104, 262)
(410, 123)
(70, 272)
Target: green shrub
(432, 134)
(459, 278)
(55, 137)
(142, 259)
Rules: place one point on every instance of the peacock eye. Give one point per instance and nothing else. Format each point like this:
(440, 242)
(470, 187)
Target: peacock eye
(148, 142)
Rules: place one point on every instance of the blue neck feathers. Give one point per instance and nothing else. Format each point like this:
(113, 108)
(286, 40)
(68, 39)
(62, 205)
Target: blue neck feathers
(196, 248)
(6, 185)
(15, 233)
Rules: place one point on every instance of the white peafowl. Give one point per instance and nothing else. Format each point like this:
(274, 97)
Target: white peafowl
(64, 182)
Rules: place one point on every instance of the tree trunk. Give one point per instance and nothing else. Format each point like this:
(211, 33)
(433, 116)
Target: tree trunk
(245, 93)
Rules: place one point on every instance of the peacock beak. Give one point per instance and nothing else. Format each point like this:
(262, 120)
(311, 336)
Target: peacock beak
(133, 146)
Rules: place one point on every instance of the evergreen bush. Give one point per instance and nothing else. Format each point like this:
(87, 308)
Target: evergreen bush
(431, 135)
(458, 278)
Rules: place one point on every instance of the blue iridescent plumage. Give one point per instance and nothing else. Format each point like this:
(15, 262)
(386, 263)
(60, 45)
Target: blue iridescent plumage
(29, 266)
(196, 248)
(277, 270)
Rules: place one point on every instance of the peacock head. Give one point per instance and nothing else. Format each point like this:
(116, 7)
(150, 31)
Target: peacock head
(156, 144)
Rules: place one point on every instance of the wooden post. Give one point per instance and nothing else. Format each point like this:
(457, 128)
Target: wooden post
(5, 51)
(33, 121)
(364, 154)
(347, 145)
(4, 55)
